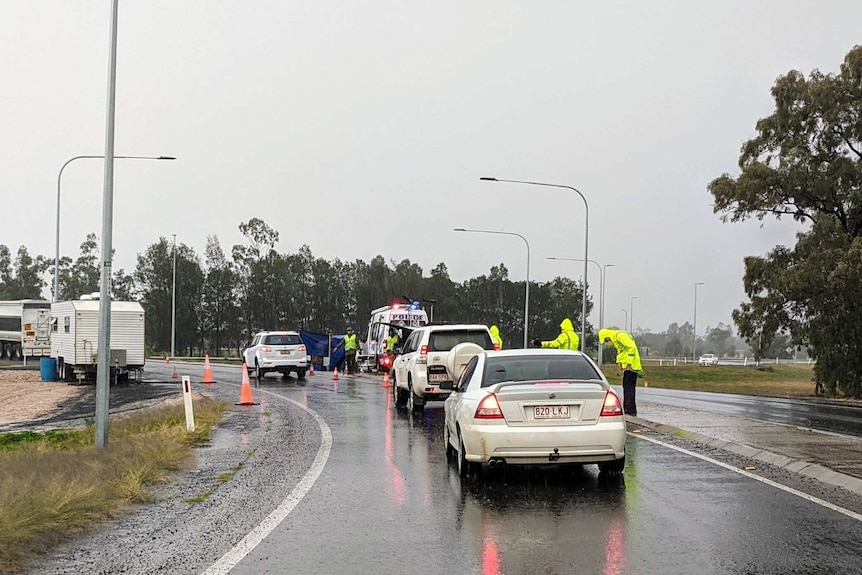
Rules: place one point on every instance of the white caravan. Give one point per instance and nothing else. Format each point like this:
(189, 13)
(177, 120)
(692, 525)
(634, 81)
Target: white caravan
(75, 339)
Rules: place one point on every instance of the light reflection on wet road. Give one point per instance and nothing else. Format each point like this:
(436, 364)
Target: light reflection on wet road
(389, 502)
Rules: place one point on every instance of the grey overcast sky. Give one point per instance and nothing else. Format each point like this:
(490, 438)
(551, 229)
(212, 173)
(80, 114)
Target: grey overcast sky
(362, 127)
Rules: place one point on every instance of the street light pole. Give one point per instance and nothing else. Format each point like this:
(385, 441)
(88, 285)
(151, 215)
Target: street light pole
(56, 293)
(103, 368)
(527, 289)
(586, 244)
(632, 314)
(601, 307)
(694, 327)
(174, 302)
(626, 324)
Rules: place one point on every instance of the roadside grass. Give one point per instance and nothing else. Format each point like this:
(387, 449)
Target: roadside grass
(57, 483)
(784, 380)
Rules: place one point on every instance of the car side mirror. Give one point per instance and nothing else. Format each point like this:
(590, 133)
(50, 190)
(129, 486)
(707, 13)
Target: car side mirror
(397, 349)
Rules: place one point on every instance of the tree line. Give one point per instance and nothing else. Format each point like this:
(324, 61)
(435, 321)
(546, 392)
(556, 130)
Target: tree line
(222, 299)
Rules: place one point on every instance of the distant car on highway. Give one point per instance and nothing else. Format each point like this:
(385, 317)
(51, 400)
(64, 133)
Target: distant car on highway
(708, 359)
(281, 351)
(534, 407)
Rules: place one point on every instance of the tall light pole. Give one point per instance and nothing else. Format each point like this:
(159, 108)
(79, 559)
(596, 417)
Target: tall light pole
(174, 302)
(626, 324)
(103, 367)
(601, 308)
(586, 243)
(632, 314)
(527, 289)
(694, 327)
(55, 296)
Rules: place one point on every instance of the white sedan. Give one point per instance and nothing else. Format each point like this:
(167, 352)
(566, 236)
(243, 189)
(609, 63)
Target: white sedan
(534, 407)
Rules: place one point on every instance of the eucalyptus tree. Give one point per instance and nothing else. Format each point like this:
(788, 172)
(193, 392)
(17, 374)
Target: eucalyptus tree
(806, 163)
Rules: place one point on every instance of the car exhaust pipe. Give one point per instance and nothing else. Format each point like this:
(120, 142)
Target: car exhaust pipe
(496, 462)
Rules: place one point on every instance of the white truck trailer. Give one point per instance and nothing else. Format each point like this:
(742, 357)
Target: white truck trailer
(25, 330)
(75, 339)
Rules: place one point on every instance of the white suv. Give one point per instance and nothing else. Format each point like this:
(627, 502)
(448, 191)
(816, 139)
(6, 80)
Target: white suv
(281, 351)
(432, 358)
(708, 359)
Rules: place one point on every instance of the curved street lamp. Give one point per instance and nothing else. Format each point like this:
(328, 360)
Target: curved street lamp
(586, 242)
(57, 233)
(527, 289)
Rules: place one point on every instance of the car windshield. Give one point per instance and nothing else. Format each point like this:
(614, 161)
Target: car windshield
(282, 339)
(537, 367)
(446, 340)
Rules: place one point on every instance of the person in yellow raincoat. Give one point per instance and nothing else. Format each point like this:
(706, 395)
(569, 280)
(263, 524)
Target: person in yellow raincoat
(495, 336)
(629, 360)
(567, 339)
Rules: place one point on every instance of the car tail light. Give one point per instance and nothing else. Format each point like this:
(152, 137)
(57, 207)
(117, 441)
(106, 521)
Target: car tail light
(489, 408)
(301, 348)
(423, 355)
(386, 361)
(612, 405)
(496, 347)
(265, 349)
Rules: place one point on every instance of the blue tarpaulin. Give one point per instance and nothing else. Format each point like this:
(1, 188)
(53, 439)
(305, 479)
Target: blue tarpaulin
(317, 344)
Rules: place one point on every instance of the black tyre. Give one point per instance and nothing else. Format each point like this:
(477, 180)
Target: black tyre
(300, 374)
(463, 464)
(450, 451)
(414, 402)
(614, 467)
(399, 396)
(258, 373)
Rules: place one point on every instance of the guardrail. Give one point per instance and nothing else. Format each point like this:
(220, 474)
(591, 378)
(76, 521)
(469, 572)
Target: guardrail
(742, 361)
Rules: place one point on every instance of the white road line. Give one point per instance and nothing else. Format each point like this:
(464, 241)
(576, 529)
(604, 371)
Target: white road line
(230, 559)
(811, 498)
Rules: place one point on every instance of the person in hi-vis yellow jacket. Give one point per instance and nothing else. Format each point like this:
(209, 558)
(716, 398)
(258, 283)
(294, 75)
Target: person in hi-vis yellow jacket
(495, 336)
(567, 339)
(629, 360)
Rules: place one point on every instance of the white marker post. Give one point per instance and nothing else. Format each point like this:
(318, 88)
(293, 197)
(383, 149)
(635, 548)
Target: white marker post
(187, 399)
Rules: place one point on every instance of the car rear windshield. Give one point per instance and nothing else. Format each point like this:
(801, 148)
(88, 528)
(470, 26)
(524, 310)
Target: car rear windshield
(282, 339)
(446, 340)
(537, 367)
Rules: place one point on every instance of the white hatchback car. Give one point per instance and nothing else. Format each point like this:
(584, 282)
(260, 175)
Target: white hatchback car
(281, 351)
(708, 359)
(533, 407)
(431, 359)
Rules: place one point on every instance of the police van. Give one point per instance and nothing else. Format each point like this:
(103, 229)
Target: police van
(373, 356)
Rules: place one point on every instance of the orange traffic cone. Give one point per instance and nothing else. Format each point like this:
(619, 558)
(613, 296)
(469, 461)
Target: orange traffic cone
(311, 369)
(245, 397)
(386, 382)
(208, 372)
(335, 374)
(346, 370)
(175, 375)
(167, 359)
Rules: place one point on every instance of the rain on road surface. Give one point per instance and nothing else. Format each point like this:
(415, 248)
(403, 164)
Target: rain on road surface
(824, 416)
(387, 501)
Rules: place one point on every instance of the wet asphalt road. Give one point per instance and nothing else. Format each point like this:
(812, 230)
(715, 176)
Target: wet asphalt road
(387, 501)
(844, 419)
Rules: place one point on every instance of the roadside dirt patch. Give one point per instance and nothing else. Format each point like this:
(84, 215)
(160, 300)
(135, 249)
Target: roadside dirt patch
(25, 397)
